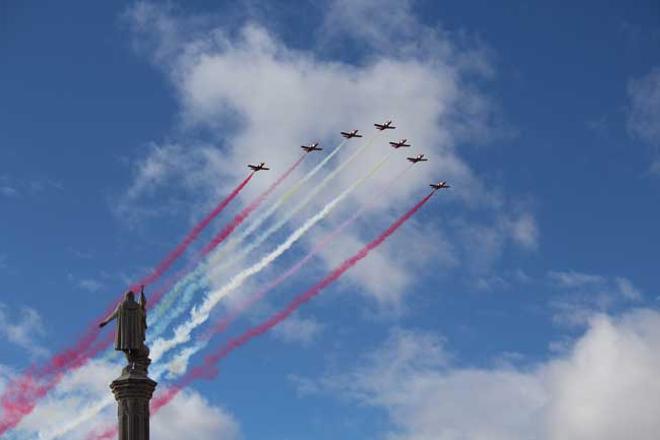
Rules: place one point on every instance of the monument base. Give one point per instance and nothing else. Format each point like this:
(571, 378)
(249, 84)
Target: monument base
(133, 391)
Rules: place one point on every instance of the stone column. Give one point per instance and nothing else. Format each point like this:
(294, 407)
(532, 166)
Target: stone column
(133, 391)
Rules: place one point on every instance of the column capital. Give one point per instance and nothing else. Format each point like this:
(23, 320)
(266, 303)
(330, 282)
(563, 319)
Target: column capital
(129, 386)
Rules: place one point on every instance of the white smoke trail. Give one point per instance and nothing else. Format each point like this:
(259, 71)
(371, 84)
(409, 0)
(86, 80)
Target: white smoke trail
(163, 315)
(178, 365)
(199, 314)
(257, 241)
(63, 429)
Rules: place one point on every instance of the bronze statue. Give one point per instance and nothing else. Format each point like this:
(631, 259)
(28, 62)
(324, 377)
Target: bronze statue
(131, 319)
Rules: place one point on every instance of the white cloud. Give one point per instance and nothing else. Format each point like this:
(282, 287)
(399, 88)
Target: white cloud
(655, 167)
(167, 174)
(524, 230)
(608, 387)
(23, 327)
(298, 330)
(260, 99)
(189, 413)
(575, 279)
(578, 295)
(644, 107)
(89, 284)
(627, 289)
(644, 113)
(605, 387)
(483, 242)
(82, 389)
(14, 188)
(9, 191)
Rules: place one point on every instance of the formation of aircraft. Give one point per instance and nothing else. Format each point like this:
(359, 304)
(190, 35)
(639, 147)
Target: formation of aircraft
(311, 147)
(351, 134)
(439, 185)
(401, 143)
(387, 125)
(260, 167)
(418, 158)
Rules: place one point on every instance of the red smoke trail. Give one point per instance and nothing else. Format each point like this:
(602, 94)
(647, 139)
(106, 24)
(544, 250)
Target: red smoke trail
(223, 323)
(226, 231)
(208, 369)
(248, 210)
(196, 373)
(108, 433)
(192, 235)
(21, 394)
(79, 354)
(215, 241)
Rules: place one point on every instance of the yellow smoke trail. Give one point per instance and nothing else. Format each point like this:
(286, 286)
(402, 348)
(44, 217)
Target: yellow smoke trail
(200, 314)
(163, 315)
(182, 333)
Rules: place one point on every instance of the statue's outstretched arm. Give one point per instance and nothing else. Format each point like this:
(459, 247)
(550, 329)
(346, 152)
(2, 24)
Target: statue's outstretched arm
(109, 318)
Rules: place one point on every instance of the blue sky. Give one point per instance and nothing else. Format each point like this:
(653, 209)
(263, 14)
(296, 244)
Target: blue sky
(123, 123)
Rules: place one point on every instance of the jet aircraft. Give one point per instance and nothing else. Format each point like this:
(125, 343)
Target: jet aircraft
(351, 134)
(401, 143)
(439, 185)
(260, 167)
(418, 158)
(311, 147)
(385, 126)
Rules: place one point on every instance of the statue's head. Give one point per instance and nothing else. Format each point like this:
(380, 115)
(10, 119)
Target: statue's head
(130, 296)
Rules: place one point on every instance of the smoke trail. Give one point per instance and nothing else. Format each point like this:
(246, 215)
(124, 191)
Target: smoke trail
(296, 209)
(192, 235)
(60, 360)
(288, 194)
(21, 395)
(77, 355)
(207, 371)
(208, 368)
(179, 362)
(179, 282)
(201, 270)
(199, 315)
(217, 239)
(223, 323)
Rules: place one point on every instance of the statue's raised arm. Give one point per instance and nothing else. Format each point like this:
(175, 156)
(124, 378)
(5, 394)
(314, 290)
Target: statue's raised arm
(143, 299)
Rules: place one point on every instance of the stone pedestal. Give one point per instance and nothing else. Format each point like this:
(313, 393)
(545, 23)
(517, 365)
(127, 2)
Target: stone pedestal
(133, 391)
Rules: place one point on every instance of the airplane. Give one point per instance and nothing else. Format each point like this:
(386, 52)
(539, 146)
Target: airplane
(351, 134)
(439, 185)
(385, 125)
(311, 147)
(418, 158)
(260, 167)
(401, 143)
